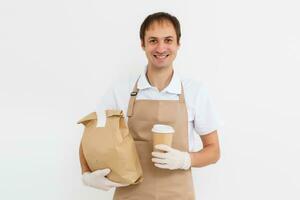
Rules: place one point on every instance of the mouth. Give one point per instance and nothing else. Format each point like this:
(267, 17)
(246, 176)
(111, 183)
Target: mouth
(161, 57)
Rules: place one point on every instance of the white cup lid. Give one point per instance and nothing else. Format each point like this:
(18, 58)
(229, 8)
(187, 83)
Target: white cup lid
(161, 128)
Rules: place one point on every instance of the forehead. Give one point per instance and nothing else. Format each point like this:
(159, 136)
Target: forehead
(160, 29)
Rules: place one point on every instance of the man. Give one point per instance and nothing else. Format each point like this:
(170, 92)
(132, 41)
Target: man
(160, 96)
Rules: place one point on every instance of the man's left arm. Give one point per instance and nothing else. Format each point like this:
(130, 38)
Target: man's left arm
(209, 154)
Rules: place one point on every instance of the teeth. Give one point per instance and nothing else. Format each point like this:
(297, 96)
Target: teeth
(162, 56)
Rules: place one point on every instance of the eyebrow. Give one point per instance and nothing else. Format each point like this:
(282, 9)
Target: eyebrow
(157, 37)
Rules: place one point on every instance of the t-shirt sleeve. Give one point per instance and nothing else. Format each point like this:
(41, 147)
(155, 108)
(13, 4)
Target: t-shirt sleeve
(206, 117)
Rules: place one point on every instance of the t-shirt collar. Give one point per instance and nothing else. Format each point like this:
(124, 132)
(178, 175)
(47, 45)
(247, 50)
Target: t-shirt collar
(173, 87)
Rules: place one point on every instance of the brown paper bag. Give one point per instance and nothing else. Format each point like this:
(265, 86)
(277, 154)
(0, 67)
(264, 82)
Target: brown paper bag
(111, 147)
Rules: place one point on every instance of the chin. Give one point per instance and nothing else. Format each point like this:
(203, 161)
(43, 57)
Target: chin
(160, 66)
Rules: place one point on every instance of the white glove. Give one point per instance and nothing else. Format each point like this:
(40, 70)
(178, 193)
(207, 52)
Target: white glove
(171, 159)
(98, 180)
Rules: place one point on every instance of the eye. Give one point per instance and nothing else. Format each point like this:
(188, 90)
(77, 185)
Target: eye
(152, 41)
(168, 40)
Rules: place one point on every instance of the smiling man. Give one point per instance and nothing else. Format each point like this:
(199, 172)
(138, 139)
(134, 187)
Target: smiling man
(160, 96)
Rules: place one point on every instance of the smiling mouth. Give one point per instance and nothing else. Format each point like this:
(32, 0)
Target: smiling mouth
(161, 57)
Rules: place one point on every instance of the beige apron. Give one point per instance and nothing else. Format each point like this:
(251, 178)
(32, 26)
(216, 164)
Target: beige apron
(158, 184)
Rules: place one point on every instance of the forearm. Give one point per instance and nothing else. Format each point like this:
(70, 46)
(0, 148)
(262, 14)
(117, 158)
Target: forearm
(208, 155)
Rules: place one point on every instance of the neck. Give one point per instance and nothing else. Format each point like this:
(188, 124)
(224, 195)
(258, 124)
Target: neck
(159, 78)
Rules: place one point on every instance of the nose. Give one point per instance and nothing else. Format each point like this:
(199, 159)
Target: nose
(161, 47)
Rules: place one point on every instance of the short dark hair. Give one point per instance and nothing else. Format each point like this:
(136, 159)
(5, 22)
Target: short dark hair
(159, 17)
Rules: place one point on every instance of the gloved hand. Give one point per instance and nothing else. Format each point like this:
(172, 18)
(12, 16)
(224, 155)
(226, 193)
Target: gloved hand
(171, 159)
(98, 180)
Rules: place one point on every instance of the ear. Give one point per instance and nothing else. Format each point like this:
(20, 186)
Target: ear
(143, 45)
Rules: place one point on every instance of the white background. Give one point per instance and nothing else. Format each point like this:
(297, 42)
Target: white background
(58, 57)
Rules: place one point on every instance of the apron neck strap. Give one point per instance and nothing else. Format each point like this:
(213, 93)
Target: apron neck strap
(133, 95)
(181, 96)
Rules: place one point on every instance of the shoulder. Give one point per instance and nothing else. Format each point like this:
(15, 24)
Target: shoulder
(124, 85)
(193, 87)
(196, 94)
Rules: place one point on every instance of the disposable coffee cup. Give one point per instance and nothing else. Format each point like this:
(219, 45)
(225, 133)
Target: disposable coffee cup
(162, 134)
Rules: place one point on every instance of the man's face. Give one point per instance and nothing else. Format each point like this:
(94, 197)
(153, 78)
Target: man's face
(160, 44)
